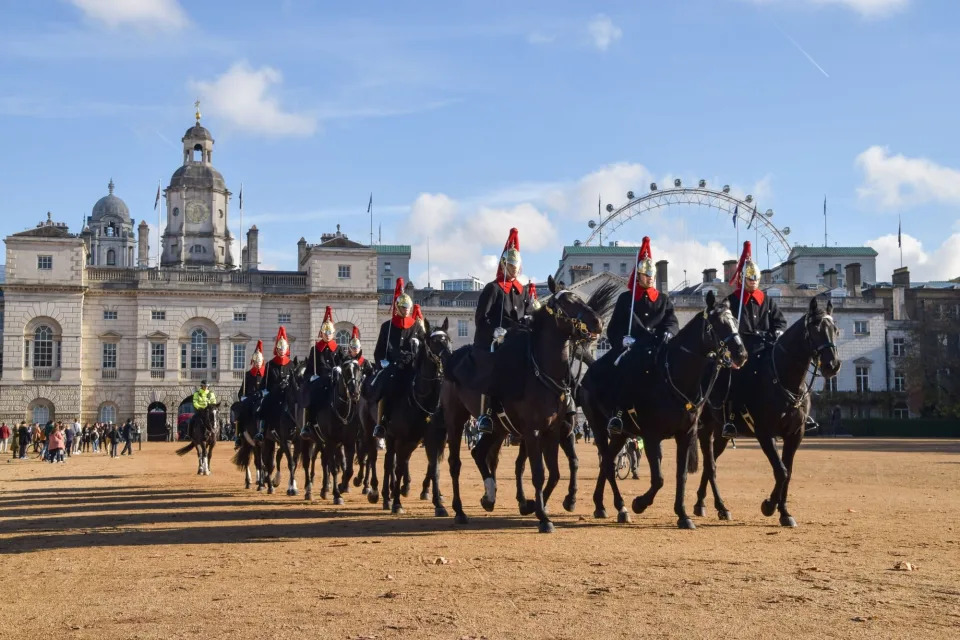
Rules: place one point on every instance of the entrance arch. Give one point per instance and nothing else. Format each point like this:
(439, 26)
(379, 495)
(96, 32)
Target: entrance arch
(41, 411)
(157, 422)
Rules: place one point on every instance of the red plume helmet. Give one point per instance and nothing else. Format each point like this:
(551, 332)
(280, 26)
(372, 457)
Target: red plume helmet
(281, 348)
(745, 257)
(327, 328)
(532, 298)
(646, 267)
(401, 299)
(510, 255)
(257, 363)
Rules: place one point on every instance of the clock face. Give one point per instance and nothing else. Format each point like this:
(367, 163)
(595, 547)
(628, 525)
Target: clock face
(197, 212)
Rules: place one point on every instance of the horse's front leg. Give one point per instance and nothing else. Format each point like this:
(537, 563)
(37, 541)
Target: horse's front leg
(268, 460)
(210, 456)
(349, 451)
(535, 454)
(526, 506)
(569, 446)
(654, 450)
(435, 453)
(769, 446)
(403, 452)
(480, 453)
(602, 442)
(389, 471)
(292, 460)
(454, 438)
(608, 464)
(790, 445)
(685, 443)
(334, 470)
(200, 458)
(551, 457)
(306, 453)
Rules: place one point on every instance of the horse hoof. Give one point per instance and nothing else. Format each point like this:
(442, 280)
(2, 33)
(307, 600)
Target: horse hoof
(699, 510)
(599, 513)
(398, 510)
(724, 515)
(270, 489)
(461, 518)
(486, 504)
(343, 488)
(323, 494)
(308, 496)
(292, 492)
(787, 521)
(527, 507)
(386, 506)
(372, 498)
(767, 508)
(639, 505)
(424, 495)
(259, 487)
(546, 526)
(365, 491)
(623, 517)
(686, 523)
(404, 491)
(440, 512)
(357, 482)
(338, 501)
(569, 504)
(246, 486)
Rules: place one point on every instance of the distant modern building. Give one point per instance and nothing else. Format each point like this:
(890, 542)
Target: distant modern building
(463, 284)
(809, 265)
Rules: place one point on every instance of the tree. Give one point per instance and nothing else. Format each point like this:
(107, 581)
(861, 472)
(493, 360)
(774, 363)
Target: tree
(932, 363)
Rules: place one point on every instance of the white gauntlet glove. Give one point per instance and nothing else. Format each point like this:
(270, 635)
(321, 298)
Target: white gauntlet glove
(628, 342)
(499, 334)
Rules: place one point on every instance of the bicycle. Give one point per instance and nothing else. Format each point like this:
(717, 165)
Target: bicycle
(622, 463)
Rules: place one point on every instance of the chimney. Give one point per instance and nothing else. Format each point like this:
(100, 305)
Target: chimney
(709, 276)
(143, 245)
(901, 277)
(766, 276)
(243, 259)
(253, 253)
(899, 300)
(729, 268)
(830, 279)
(662, 276)
(852, 277)
(301, 252)
(790, 272)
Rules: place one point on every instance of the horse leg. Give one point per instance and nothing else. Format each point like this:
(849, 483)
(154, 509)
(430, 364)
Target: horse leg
(334, 471)
(258, 465)
(436, 451)
(719, 444)
(685, 441)
(535, 453)
(306, 451)
(454, 437)
(405, 487)
(526, 506)
(608, 465)
(276, 480)
(705, 441)
(602, 442)
(480, 453)
(551, 457)
(569, 446)
(267, 457)
(349, 451)
(210, 455)
(199, 460)
(404, 451)
(373, 493)
(654, 450)
(769, 447)
(246, 472)
(790, 445)
(389, 472)
(292, 460)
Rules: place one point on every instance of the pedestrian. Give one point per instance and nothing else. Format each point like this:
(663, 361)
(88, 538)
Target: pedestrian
(4, 437)
(70, 435)
(138, 436)
(24, 433)
(95, 439)
(77, 431)
(56, 442)
(127, 434)
(15, 447)
(113, 435)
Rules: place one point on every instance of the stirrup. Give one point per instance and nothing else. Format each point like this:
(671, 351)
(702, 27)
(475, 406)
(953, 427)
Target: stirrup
(379, 431)
(484, 424)
(615, 425)
(728, 431)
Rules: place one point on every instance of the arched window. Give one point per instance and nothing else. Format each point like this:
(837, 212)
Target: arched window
(43, 347)
(198, 349)
(198, 153)
(41, 413)
(111, 257)
(110, 231)
(603, 345)
(176, 211)
(342, 337)
(108, 413)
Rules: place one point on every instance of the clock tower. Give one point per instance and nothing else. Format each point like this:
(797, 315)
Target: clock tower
(196, 234)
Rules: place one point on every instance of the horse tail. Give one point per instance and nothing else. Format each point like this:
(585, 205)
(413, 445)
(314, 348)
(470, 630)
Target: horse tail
(693, 457)
(241, 458)
(182, 451)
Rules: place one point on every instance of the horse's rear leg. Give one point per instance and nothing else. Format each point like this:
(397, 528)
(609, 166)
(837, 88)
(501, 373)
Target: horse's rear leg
(210, 456)
(200, 458)
(790, 445)
(306, 453)
(525, 505)
(279, 458)
(569, 446)
(389, 472)
(267, 460)
(551, 457)
(535, 454)
(292, 461)
(654, 452)
(481, 455)
(607, 465)
(454, 440)
(685, 441)
(769, 446)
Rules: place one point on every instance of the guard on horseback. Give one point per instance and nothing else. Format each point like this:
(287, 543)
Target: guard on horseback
(502, 306)
(643, 315)
(253, 380)
(278, 371)
(761, 322)
(397, 346)
(324, 357)
(355, 352)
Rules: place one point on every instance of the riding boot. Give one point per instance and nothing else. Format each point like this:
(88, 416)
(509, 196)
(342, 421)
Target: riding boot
(379, 430)
(260, 426)
(485, 422)
(615, 424)
(728, 431)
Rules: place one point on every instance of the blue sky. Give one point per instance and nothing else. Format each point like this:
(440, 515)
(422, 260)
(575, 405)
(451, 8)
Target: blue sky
(466, 118)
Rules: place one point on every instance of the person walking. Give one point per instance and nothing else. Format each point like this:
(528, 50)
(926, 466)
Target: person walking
(56, 442)
(4, 437)
(113, 435)
(15, 446)
(95, 438)
(24, 433)
(127, 434)
(77, 434)
(70, 435)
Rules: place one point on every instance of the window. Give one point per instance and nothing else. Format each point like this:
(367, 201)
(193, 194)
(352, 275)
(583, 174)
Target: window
(239, 316)
(176, 211)
(900, 412)
(198, 349)
(109, 355)
(158, 355)
(387, 267)
(830, 385)
(45, 263)
(109, 231)
(899, 382)
(41, 414)
(111, 258)
(899, 347)
(606, 266)
(343, 271)
(183, 355)
(239, 356)
(214, 352)
(463, 328)
(863, 379)
(590, 266)
(220, 212)
(158, 315)
(386, 283)
(838, 267)
(198, 248)
(603, 345)
(43, 347)
(623, 268)
(283, 318)
(109, 315)
(108, 413)
(861, 328)
(821, 268)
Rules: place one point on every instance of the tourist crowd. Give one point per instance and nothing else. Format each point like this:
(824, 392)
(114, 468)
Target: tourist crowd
(57, 441)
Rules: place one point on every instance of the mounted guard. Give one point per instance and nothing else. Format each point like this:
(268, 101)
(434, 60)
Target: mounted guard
(355, 352)
(253, 381)
(278, 371)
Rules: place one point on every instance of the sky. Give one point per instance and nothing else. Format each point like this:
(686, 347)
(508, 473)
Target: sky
(464, 119)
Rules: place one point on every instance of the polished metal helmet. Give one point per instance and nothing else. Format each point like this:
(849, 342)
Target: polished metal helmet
(404, 301)
(257, 359)
(646, 267)
(327, 330)
(751, 271)
(512, 257)
(355, 344)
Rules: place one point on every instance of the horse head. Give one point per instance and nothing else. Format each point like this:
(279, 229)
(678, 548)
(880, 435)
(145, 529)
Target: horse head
(721, 333)
(820, 333)
(438, 348)
(577, 320)
(351, 376)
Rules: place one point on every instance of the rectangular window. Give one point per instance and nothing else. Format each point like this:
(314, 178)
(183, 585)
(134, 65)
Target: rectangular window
(283, 318)
(239, 356)
(109, 315)
(386, 283)
(44, 263)
(239, 316)
(183, 355)
(861, 328)
(899, 347)
(58, 345)
(838, 268)
(463, 328)
(863, 379)
(606, 267)
(623, 268)
(830, 385)
(820, 268)
(899, 382)
(158, 355)
(386, 267)
(901, 413)
(109, 355)
(214, 352)
(343, 271)
(158, 315)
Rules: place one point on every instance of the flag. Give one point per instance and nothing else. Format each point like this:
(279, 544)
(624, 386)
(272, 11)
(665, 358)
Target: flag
(370, 204)
(157, 200)
(241, 196)
(735, 210)
(899, 237)
(824, 206)
(752, 216)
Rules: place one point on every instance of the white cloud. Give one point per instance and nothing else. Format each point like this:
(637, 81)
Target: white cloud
(895, 181)
(538, 37)
(866, 8)
(603, 32)
(943, 263)
(144, 14)
(242, 97)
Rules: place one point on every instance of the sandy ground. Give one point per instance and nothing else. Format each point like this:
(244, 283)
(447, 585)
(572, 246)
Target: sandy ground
(143, 548)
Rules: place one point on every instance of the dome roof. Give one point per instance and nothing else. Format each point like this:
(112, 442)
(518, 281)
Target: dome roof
(200, 176)
(197, 132)
(110, 205)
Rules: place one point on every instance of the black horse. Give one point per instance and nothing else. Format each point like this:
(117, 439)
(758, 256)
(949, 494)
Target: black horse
(281, 433)
(777, 403)
(245, 417)
(203, 437)
(533, 380)
(666, 398)
(412, 420)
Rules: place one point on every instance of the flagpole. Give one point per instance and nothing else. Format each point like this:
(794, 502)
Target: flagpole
(370, 211)
(159, 217)
(242, 265)
(900, 238)
(633, 301)
(825, 220)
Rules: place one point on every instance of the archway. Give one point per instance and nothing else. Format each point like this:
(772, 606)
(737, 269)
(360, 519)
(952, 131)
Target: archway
(157, 422)
(41, 411)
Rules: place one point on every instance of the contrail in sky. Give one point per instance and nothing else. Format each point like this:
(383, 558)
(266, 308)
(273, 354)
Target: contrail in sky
(801, 49)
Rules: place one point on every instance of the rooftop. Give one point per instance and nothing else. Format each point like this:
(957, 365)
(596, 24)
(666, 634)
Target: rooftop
(575, 250)
(831, 252)
(393, 248)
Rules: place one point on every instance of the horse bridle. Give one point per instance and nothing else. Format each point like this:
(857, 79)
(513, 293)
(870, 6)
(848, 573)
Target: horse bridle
(579, 326)
(438, 363)
(720, 356)
(797, 398)
(351, 400)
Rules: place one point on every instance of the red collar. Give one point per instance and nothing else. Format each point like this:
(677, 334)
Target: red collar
(402, 323)
(258, 371)
(512, 284)
(651, 292)
(360, 360)
(746, 296)
(280, 360)
(331, 345)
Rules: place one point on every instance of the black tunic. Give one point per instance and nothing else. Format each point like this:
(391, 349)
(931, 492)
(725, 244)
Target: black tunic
(758, 320)
(497, 309)
(275, 375)
(251, 384)
(325, 361)
(648, 317)
(390, 348)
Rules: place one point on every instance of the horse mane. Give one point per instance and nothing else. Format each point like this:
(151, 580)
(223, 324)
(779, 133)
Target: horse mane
(603, 298)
